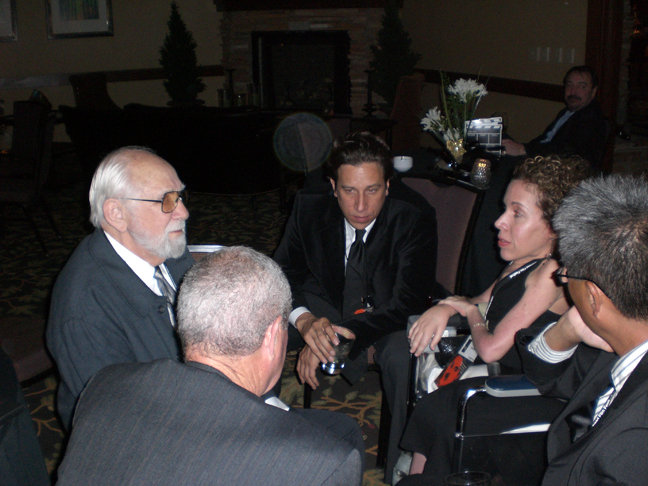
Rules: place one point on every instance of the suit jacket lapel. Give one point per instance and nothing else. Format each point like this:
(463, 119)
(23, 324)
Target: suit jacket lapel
(591, 390)
(559, 440)
(375, 245)
(333, 241)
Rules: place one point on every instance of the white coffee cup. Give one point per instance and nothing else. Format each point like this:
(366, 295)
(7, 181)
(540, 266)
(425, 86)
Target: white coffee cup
(403, 163)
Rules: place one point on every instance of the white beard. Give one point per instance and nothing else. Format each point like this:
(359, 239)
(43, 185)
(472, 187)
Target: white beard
(163, 246)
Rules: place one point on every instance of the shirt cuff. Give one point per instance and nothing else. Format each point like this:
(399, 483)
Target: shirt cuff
(541, 349)
(294, 315)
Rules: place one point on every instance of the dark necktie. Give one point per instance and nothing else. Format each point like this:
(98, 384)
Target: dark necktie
(167, 291)
(354, 281)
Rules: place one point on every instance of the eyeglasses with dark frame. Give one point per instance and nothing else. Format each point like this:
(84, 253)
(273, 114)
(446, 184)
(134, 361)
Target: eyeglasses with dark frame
(168, 202)
(563, 277)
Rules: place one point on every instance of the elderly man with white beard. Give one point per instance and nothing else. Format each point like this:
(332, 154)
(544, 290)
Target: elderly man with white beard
(113, 302)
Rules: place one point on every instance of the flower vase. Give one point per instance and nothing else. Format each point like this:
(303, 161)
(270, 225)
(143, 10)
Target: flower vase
(457, 150)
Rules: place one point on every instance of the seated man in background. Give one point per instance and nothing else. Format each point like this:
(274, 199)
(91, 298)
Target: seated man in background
(578, 129)
(600, 436)
(113, 300)
(359, 260)
(204, 422)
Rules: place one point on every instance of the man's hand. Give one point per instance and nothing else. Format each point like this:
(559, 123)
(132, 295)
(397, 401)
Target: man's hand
(307, 364)
(571, 330)
(511, 147)
(319, 335)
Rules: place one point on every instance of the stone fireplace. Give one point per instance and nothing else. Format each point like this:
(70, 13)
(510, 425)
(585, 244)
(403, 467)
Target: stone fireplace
(302, 70)
(245, 21)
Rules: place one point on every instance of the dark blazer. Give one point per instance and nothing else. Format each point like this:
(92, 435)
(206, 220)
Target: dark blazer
(614, 450)
(167, 423)
(584, 134)
(400, 254)
(101, 313)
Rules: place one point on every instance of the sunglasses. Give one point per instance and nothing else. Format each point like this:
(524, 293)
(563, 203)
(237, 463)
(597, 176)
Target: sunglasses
(168, 202)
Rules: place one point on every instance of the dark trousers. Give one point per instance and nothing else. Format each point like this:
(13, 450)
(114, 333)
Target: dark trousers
(393, 359)
(21, 459)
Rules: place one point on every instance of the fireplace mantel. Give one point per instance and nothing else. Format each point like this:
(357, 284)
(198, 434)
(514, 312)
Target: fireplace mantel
(238, 5)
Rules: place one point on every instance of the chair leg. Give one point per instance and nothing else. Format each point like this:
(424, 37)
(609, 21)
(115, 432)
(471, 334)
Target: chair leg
(383, 433)
(48, 213)
(39, 237)
(308, 393)
(461, 423)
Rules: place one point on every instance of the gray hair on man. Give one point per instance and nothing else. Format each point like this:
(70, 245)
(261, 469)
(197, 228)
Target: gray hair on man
(111, 179)
(603, 236)
(228, 300)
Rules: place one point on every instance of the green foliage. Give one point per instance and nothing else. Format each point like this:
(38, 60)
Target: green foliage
(393, 56)
(178, 59)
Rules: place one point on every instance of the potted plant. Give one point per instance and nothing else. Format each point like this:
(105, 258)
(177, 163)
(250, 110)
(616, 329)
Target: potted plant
(393, 56)
(178, 59)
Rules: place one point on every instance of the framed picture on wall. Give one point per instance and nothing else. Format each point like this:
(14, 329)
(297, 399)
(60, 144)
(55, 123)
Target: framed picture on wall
(78, 18)
(8, 30)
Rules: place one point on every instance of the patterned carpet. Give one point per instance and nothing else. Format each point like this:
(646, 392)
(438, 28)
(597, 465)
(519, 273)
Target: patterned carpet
(256, 221)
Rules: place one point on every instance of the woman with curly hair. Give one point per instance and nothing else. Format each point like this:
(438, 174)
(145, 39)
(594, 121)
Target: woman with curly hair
(524, 295)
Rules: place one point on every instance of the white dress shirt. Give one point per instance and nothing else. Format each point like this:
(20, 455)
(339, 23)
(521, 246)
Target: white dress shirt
(143, 269)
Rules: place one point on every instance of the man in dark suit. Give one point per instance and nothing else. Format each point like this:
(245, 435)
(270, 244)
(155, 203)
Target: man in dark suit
(397, 244)
(206, 422)
(108, 306)
(578, 129)
(601, 434)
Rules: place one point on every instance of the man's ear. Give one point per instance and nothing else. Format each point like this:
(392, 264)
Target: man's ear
(332, 181)
(115, 214)
(387, 187)
(595, 297)
(272, 338)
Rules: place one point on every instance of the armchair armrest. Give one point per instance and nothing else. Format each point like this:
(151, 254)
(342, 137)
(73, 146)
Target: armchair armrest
(510, 386)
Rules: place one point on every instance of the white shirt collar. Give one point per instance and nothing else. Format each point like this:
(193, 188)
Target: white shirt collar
(624, 367)
(143, 269)
(349, 233)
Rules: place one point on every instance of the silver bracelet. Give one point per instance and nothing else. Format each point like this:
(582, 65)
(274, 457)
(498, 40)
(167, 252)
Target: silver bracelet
(481, 324)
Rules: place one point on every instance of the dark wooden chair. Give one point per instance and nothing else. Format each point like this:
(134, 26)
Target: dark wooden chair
(24, 172)
(91, 91)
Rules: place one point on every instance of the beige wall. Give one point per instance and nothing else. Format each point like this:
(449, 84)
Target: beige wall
(490, 37)
(139, 30)
(500, 38)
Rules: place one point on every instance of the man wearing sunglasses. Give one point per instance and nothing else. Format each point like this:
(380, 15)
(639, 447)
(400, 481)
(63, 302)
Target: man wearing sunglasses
(596, 355)
(113, 302)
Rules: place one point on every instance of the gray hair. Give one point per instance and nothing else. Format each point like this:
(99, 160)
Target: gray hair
(228, 300)
(603, 236)
(111, 179)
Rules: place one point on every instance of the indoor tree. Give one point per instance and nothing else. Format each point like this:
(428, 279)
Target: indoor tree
(178, 59)
(393, 56)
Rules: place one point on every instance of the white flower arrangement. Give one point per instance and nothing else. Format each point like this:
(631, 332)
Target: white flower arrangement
(460, 100)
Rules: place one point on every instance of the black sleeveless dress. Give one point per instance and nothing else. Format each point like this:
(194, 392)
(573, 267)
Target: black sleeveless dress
(430, 429)
(505, 295)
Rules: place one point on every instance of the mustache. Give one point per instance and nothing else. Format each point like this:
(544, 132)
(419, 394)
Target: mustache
(179, 226)
(574, 98)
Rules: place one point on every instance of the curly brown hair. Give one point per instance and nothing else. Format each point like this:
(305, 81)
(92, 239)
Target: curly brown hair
(554, 178)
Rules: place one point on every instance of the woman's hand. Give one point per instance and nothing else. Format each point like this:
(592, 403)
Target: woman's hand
(429, 328)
